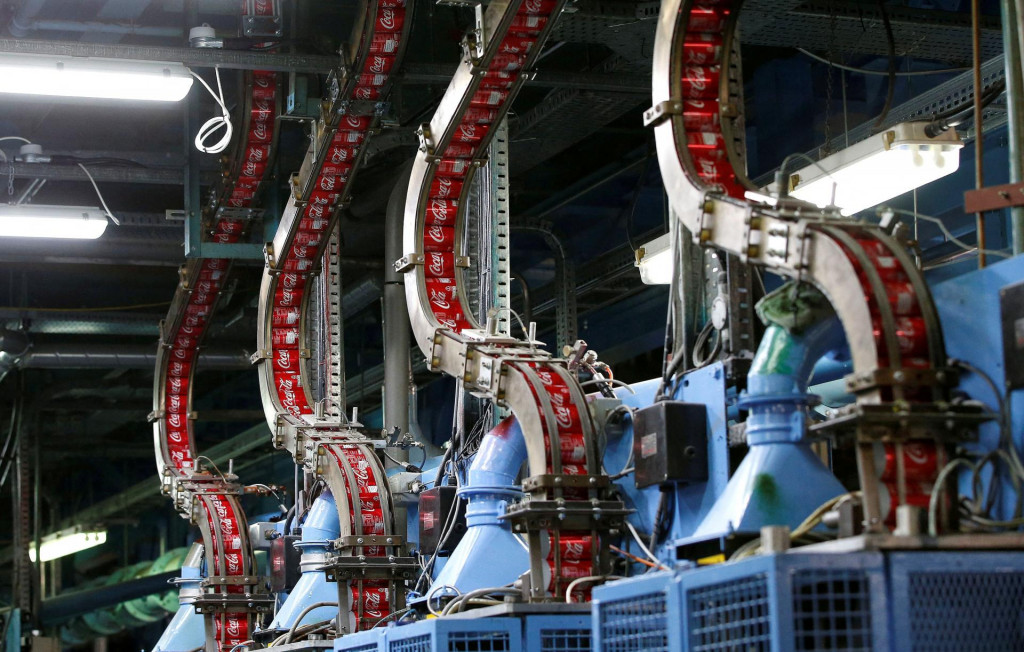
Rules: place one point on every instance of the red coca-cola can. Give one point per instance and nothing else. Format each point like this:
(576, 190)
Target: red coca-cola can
(253, 169)
(700, 82)
(342, 170)
(207, 274)
(309, 238)
(176, 404)
(702, 49)
(701, 115)
(500, 80)
(569, 571)
(323, 198)
(259, 132)
(883, 260)
(284, 338)
(366, 93)
(285, 361)
(902, 297)
(918, 495)
(920, 461)
(313, 223)
(479, 116)
(372, 597)
(242, 194)
(247, 183)
(707, 19)
(445, 188)
(287, 297)
(177, 385)
(257, 153)
(535, 7)
(712, 165)
(329, 183)
(301, 252)
(460, 150)
(371, 81)
(527, 24)
(384, 43)
(341, 153)
(297, 264)
(263, 7)
(179, 369)
(378, 64)
(442, 212)
(574, 469)
(439, 264)
(177, 436)
(471, 133)
(347, 137)
(390, 20)
(185, 341)
(438, 238)
(229, 226)
(571, 447)
(261, 111)
(705, 140)
(285, 317)
(572, 548)
(453, 167)
(292, 281)
(507, 62)
(453, 320)
(264, 93)
(488, 98)
(517, 44)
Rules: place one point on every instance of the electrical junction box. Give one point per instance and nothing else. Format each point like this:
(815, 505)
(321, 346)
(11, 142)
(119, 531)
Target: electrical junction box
(284, 563)
(1011, 307)
(670, 443)
(435, 509)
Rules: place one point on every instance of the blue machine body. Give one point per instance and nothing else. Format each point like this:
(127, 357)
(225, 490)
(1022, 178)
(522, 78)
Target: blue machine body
(320, 527)
(187, 629)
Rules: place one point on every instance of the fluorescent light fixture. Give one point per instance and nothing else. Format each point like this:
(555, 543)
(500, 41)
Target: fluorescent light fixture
(655, 261)
(121, 79)
(67, 542)
(875, 170)
(39, 221)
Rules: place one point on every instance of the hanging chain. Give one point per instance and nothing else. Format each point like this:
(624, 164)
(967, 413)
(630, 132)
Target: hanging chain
(10, 178)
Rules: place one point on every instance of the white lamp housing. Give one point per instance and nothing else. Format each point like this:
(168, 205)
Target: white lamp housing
(655, 261)
(39, 221)
(875, 170)
(121, 79)
(67, 542)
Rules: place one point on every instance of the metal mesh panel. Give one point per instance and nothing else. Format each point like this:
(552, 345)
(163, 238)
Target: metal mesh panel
(732, 616)
(634, 624)
(369, 647)
(966, 611)
(565, 640)
(832, 610)
(478, 642)
(419, 643)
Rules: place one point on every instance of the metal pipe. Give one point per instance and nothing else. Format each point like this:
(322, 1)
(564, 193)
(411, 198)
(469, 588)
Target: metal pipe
(1013, 46)
(57, 355)
(979, 145)
(92, 27)
(18, 26)
(396, 316)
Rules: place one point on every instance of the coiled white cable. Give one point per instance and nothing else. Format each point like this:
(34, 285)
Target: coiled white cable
(100, 195)
(210, 127)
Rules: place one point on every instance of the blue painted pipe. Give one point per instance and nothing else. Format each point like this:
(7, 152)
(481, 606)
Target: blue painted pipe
(320, 527)
(781, 480)
(187, 630)
(489, 554)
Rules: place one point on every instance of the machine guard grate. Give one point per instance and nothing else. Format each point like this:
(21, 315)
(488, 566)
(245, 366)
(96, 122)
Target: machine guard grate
(733, 615)
(832, 610)
(638, 623)
(966, 611)
(565, 640)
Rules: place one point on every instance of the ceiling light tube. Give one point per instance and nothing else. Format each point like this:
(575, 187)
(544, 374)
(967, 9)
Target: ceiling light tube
(92, 77)
(67, 542)
(879, 168)
(655, 261)
(39, 221)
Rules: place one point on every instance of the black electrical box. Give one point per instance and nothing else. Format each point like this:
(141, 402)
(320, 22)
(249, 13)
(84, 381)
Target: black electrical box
(436, 506)
(1011, 307)
(284, 563)
(670, 443)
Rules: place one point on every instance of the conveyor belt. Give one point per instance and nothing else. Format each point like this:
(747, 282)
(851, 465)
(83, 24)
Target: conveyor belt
(343, 456)
(878, 293)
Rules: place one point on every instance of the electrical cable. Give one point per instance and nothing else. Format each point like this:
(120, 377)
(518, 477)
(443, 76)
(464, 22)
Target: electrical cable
(430, 595)
(640, 542)
(411, 468)
(211, 126)
(305, 612)
(631, 556)
(106, 208)
(391, 615)
(588, 579)
(880, 73)
(949, 120)
(890, 41)
(456, 605)
(612, 381)
(782, 182)
(942, 227)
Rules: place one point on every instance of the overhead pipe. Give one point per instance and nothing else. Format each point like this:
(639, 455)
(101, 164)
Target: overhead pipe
(781, 480)
(489, 554)
(22, 28)
(1013, 48)
(319, 529)
(18, 27)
